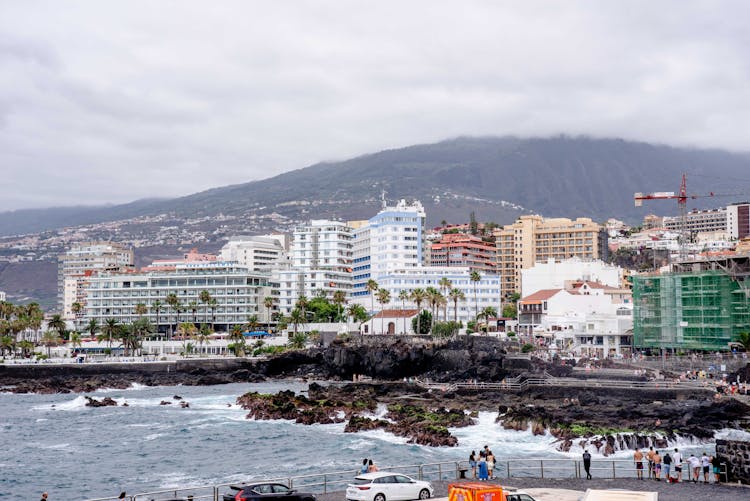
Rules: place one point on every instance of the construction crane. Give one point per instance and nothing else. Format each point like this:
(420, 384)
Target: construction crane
(682, 197)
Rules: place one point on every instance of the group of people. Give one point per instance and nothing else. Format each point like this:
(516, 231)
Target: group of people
(482, 464)
(368, 466)
(670, 466)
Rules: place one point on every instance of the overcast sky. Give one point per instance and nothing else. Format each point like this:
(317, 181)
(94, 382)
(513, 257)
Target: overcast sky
(105, 102)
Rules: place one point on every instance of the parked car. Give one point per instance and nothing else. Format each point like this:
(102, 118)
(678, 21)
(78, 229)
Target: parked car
(387, 486)
(267, 491)
(516, 495)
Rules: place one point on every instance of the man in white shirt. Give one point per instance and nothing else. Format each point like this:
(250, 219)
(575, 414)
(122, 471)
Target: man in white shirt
(695, 466)
(677, 460)
(706, 464)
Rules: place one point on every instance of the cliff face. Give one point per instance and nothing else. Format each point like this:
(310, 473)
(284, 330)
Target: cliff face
(390, 359)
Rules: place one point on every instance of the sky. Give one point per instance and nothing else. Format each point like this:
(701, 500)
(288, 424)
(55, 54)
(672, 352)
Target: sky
(108, 102)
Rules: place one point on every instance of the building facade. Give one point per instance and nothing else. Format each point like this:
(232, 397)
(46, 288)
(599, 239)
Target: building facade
(79, 262)
(532, 239)
(487, 290)
(699, 221)
(258, 253)
(320, 263)
(458, 249)
(553, 274)
(238, 293)
(738, 220)
(391, 240)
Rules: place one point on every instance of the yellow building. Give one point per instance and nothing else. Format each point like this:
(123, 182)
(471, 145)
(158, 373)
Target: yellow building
(533, 238)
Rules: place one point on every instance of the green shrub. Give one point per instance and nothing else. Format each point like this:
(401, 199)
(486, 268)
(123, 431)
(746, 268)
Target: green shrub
(526, 348)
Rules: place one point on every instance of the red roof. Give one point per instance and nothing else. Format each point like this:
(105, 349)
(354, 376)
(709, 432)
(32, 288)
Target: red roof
(593, 285)
(539, 296)
(396, 313)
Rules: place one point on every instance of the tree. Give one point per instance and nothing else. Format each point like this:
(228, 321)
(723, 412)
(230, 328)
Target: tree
(49, 339)
(487, 313)
(268, 302)
(186, 330)
(203, 335)
(422, 322)
(301, 304)
(339, 299)
(141, 309)
(418, 295)
(456, 295)
(75, 339)
(239, 340)
(744, 339)
(510, 311)
(475, 278)
(57, 324)
(296, 318)
(445, 285)
(193, 307)
(76, 308)
(384, 297)
(433, 297)
(134, 334)
(298, 341)
(110, 330)
(174, 302)
(404, 295)
(358, 314)
(473, 225)
(92, 327)
(371, 287)
(156, 308)
(252, 323)
(213, 304)
(7, 343)
(205, 298)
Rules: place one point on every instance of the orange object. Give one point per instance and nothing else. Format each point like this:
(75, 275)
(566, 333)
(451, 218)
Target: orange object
(475, 491)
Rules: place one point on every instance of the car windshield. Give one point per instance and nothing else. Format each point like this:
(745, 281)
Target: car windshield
(360, 481)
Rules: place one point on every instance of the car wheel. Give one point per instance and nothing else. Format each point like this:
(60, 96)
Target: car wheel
(424, 494)
(379, 497)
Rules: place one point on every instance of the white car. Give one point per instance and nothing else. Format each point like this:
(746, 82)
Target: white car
(387, 486)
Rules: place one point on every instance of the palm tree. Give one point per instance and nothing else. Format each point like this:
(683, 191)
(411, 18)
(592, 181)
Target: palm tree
(213, 303)
(298, 341)
(433, 297)
(187, 331)
(239, 340)
(25, 346)
(203, 335)
(204, 297)
(744, 339)
(371, 287)
(92, 327)
(50, 339)
(135, 333)
(475, 277)
(487, 313)
(141, 309)
(174, 302)
(110, 330)
(156, 308)
(358, 314)
(76, 308)
(296, 317)
(418, 295)
(403, 296)
(75, 339)
(445, 285)
(268, 302)
(456, 295)
(302, 303)
(339, 299)
(252, 323)
(57, 324)
(7, 343)
(384, 297)
(193, 307)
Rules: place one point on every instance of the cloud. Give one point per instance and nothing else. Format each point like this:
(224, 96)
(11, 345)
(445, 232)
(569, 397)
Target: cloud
(104, 102)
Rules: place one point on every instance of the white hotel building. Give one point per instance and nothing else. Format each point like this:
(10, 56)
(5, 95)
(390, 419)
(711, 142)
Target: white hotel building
(391, 240)
(487, 289)
(238, 291)
(320, 263)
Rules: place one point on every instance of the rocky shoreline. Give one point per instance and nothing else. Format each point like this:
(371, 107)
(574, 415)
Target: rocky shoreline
(603, 419)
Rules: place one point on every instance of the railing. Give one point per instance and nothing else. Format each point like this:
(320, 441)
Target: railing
(444, 471)
(510, 385)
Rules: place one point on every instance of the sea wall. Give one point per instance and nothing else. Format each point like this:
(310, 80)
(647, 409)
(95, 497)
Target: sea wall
(736, 453)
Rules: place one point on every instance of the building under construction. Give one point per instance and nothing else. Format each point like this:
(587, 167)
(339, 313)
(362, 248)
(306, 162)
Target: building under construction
(702, 305)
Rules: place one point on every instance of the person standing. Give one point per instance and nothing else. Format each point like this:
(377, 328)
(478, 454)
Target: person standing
(371, 468)
(667, 466)
(482, 466)
(716, 464)
(587, 463)
(490, 464)
(677, 460)
(365, 464)
(695, 466)
(44, 496)
(650, 458)
(706, 464)
(657, 466)
(473, 464)
(638, 459)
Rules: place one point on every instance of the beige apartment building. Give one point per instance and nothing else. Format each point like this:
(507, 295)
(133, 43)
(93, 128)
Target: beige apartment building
(533, 239)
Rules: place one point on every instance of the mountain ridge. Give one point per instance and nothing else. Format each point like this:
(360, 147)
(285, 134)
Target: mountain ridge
(555, 176)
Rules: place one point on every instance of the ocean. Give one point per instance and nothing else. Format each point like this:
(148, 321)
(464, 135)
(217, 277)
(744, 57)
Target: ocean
(55, 443)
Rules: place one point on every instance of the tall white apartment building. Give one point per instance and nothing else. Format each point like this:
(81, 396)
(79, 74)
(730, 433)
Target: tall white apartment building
(391, 240)
(553, 274)
(258, 253)
(320, 262)
(239, 293)
(478, 295)
(81, 261)
(699, 221)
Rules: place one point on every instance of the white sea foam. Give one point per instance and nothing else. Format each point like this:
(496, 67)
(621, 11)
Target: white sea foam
(359, 444)
(77, 404)
(729, 434)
